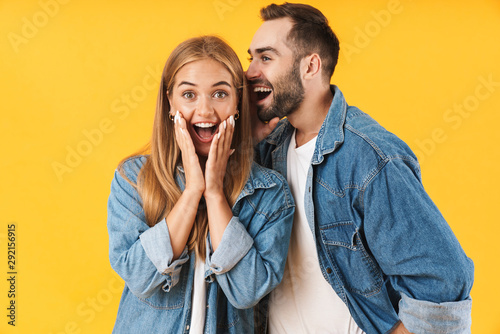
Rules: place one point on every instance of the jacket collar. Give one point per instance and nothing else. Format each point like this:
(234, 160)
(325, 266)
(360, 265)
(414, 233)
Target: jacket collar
(259, 178)
(330, 135)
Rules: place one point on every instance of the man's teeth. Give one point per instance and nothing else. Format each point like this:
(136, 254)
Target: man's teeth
(204, 125)
(262, 89)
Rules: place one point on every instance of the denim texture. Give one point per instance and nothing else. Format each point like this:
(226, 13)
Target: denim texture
(246, 266)
(382, 244)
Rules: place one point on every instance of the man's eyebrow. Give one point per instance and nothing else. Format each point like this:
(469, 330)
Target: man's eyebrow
(265, 49)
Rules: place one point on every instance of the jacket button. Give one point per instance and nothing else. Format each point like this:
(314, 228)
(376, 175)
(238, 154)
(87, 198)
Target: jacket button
(329, 270)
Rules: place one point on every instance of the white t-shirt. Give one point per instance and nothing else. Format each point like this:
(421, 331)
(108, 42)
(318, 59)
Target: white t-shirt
(198, 309)
(305, 302)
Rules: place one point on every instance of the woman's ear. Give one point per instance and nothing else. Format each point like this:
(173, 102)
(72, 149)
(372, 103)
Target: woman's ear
(168, 99)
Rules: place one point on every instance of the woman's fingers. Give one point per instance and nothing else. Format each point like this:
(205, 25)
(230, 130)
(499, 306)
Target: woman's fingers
(229, 135)
(182, 135)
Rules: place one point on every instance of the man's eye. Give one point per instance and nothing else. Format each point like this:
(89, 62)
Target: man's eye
(265, 58)
(220, 94)
(188, 95)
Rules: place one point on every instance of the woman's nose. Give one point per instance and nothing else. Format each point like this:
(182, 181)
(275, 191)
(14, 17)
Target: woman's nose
(204, 107)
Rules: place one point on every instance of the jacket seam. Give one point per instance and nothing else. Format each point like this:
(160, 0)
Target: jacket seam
(368, 140)
(267, 215)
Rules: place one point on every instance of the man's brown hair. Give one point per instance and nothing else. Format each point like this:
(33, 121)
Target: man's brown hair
(310, 33)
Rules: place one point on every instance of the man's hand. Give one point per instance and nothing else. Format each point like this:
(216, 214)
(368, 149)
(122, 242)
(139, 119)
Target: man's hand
(261, 130)
(400, 329)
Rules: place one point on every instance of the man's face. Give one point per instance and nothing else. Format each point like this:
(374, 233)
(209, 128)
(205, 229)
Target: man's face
(274, 72)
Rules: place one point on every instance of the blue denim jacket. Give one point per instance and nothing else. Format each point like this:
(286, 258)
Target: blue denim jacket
(382, 244)
(246, 266)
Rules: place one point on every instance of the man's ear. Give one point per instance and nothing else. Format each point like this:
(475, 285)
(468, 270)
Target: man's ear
(312, 66)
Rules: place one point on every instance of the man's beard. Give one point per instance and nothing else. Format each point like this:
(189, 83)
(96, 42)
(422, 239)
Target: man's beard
(288, 94)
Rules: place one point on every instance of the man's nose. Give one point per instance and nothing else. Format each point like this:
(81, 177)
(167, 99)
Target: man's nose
(252, 72)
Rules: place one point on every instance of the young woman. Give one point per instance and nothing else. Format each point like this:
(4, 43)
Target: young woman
(198, 232)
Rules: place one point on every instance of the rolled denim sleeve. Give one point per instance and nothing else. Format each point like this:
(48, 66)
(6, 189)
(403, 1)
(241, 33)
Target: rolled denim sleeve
(156, 244)
(417, 250)
(141, 255)
(252, 260)
(421, 316)
(234, 245)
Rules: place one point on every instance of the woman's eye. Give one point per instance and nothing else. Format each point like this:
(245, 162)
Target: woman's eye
(188, 95)
(220, 94)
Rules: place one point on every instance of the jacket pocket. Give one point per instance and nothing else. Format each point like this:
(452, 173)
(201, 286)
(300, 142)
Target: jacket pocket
(347, 254)
(174, 298)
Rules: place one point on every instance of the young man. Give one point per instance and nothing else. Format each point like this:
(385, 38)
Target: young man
(370, 252)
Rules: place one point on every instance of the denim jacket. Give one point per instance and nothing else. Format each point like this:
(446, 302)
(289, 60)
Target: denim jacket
(381, 242)
(246, 266)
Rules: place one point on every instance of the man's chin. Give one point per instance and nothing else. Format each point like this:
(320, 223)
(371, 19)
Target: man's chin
(266, 115)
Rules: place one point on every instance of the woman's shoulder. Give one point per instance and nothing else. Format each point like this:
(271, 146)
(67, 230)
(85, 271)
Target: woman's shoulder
(270, 182)
(131, 167)
(265, 176)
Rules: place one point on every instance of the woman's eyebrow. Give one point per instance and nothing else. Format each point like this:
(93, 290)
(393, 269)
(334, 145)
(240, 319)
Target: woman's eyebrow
(186, 83)
(225, 83)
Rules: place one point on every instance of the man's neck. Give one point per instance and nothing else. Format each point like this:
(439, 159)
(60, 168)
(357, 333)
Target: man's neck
(310, 116)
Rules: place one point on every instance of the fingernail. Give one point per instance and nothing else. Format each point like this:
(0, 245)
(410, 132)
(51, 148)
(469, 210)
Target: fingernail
(224, 125)
(218, 135)
(231, 120)
(232, 151)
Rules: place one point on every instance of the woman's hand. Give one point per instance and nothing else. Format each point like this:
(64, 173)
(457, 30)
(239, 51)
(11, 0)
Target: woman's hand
(218, 210)
(195, 181)
(219, 153)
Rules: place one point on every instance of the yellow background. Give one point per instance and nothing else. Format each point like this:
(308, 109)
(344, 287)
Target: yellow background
(77, 69)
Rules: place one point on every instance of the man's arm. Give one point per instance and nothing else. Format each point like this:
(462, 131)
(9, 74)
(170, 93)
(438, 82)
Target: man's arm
(417, 250)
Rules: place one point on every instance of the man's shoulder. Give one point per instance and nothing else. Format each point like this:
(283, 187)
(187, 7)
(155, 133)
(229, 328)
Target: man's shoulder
(364, 134)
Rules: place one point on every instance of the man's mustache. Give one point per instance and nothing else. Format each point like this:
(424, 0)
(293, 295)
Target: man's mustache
(260, 82)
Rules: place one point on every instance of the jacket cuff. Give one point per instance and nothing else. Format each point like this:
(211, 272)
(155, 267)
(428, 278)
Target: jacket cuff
(234, 245)
(421, 316)
(156, 244)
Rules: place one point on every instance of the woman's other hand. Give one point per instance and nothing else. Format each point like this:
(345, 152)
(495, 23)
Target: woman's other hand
(220, 150)
(195, 182)
(219, 212)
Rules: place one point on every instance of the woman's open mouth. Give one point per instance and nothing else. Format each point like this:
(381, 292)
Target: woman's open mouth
(205, 131)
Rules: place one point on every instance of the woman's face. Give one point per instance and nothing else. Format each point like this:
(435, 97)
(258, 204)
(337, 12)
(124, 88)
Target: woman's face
(203, 93)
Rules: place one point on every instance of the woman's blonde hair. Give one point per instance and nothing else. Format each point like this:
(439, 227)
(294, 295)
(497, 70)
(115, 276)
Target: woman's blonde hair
(156, 182)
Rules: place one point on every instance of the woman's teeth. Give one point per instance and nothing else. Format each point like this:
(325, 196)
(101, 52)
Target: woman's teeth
(204, 125)
(205, 130)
